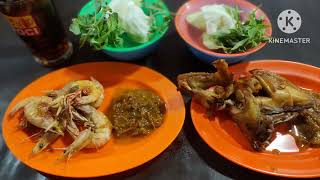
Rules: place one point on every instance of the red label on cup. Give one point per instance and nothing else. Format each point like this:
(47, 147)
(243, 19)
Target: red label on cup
(24, 25)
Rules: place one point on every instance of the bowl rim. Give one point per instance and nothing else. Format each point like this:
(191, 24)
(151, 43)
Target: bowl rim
(212, 53)
(134, 48)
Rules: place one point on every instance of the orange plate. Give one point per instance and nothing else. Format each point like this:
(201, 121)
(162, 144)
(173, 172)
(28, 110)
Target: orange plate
(224, 136)
(118, 154)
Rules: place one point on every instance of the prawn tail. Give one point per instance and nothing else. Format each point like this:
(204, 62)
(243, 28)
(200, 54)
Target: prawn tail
(20, 105)
(94, 80)
(101, 97)
(79, 143)
(99, 101)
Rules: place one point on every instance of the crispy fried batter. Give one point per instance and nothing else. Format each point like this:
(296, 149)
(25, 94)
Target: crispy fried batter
(257, 103)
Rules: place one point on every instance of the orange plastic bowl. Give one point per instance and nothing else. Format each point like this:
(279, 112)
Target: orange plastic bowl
(192, 36)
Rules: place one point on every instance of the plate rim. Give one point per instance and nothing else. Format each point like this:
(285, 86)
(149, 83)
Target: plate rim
(238, 162)
(107, 63)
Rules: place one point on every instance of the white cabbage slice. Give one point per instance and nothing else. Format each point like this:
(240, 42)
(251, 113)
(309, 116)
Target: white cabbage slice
(132, 18)
(210, 42)
(212, 19)
(217, 19)
(197, 20)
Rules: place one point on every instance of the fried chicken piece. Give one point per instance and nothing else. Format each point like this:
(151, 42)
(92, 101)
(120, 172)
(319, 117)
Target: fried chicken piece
(210, 89)
(257, 103)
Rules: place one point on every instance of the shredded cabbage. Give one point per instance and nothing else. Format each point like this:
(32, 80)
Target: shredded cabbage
(212, 19)
(217, 19)
(132, 18)
(210, 42)
(197, 20)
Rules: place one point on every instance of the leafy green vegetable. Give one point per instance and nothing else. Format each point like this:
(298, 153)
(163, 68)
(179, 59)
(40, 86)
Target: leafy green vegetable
(97, 30)
(241, 38)
(103, 28)
(156, 10)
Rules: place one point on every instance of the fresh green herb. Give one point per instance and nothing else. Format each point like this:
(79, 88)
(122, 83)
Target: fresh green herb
(244, 36)
(156, 10)
(99, 29)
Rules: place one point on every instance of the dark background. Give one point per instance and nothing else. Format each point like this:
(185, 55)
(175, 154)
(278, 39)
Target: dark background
(188, 157)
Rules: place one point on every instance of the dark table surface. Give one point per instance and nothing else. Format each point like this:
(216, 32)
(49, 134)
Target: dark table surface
(188, 157)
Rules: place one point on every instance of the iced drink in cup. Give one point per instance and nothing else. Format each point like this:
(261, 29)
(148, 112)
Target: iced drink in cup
(38, 25)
